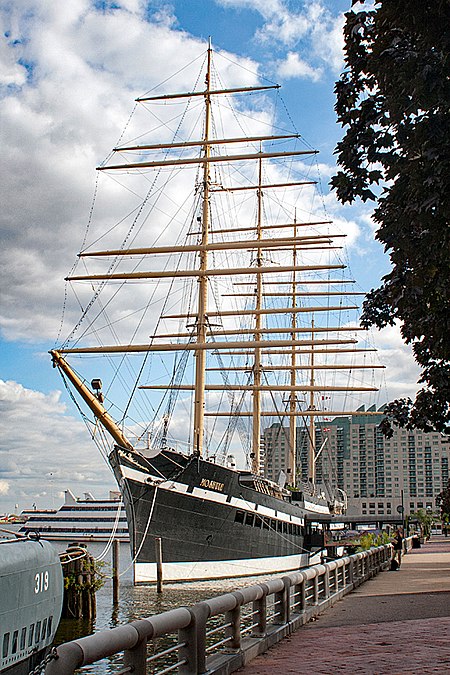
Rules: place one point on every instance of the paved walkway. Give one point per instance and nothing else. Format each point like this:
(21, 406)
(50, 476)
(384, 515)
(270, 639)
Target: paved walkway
(396, 623)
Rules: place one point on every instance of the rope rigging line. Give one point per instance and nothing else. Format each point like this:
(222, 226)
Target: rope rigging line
(75, 265)
(135, 557)
(139, 211)
(300, 548)
(179, 369)
(236, 401)
(112, 536)
(203, 56)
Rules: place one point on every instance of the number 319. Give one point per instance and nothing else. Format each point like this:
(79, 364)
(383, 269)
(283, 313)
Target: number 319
(41, 582)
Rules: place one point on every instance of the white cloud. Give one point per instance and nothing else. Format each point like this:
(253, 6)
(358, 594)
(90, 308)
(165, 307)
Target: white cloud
(84, 67)
(265, 7)
(43, 450)
(402, 371)
(312, 27)
(294, 66)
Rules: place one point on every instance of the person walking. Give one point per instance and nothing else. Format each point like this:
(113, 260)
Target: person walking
(397, 544)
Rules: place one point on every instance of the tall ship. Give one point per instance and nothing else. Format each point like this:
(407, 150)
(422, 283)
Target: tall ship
(215, 301)
(80, 520)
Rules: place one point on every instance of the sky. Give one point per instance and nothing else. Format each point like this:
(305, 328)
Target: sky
(69, 73)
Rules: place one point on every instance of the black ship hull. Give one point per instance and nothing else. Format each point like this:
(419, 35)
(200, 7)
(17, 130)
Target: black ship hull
(214, 522)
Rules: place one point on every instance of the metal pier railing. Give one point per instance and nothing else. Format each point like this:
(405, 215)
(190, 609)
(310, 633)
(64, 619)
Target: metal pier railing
(222, 634)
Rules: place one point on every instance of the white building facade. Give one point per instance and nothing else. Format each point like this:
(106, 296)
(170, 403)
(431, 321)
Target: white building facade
(378, 474)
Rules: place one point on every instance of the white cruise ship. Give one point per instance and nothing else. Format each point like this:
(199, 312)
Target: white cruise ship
(82, 520)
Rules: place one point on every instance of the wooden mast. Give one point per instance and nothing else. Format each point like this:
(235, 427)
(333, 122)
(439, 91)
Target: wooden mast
(200, 354)
(292, 463)
(312, 421)
(256, 429)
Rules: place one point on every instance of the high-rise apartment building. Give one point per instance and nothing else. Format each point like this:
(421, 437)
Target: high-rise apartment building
(376, 472)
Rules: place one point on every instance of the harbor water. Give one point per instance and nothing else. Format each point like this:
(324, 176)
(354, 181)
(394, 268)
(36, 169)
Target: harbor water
(135, 602)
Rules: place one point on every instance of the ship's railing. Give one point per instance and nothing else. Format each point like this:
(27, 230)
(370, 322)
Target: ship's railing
(222, 634)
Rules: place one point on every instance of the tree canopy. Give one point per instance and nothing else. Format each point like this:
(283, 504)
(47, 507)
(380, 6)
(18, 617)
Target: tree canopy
(443, 502)
(393, 100)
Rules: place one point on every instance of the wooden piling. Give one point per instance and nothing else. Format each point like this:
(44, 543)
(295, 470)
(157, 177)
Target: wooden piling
(80, 584)
(115, 571)
(158, 558)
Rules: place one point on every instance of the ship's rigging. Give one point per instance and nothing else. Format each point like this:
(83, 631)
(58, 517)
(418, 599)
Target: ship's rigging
(285, 342)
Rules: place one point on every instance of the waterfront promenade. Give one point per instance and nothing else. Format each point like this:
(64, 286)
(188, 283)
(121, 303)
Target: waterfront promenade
(396, 623)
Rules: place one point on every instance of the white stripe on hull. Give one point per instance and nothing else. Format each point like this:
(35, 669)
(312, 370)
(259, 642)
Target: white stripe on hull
(210, 496)
(79, 536)
(316, 508)
(145, 573)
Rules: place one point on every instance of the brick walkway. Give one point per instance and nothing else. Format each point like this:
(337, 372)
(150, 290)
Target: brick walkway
(397, 623)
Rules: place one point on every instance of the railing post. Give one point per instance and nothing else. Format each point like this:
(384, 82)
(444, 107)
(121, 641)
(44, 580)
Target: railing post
(286, 600)
(316, 590)
(193, 639)
(299, 589)
(282, 602)
(136, 658)
(260, 610)
(351, 572)
(326, 583)
(233, 631)
(336, 579)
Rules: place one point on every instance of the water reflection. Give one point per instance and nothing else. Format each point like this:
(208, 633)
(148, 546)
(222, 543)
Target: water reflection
(136, 602)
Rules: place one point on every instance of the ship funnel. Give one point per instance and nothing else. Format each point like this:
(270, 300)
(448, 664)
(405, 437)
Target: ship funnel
(69, 497)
